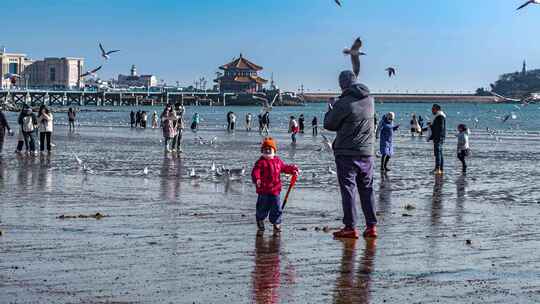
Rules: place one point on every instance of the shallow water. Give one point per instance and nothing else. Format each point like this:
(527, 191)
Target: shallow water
(169, 238)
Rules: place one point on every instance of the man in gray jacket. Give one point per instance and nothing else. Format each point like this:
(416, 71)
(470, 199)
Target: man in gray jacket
(352, 117)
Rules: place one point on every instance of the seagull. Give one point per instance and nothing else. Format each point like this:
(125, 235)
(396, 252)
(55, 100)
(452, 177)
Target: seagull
(91, 72)
(338, 2)
(213, 167)
(355, 54)
(391, 71)
(145, 171)
(105, 54)
(528, 2)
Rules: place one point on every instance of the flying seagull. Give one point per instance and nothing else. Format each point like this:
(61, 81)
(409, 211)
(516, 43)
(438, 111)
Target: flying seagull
(391, 71)
(91, 72)
(106, 54)
(338, 3)
(528, 2)
(355, 54)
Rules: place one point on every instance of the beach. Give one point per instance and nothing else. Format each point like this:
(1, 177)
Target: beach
(166, 237)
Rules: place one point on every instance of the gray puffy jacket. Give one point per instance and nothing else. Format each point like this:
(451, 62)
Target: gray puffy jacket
(352, 118)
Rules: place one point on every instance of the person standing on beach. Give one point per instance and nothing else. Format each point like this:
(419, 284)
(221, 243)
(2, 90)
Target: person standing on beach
(195, 122)
(415, 126)
(421, 124)
(138, 116)
(132, 119)
(168, 119)
(72, 115)
(266, 177)
(266, 123)
(4, 126)
(463, 150)
(28, 123)
(248, 122)
(386, 142)
(144, 119)
(233, 122)
(177, 142)
(293, 129)
(315, 126)
(352, 117)
(45, 123)
(154, 120)
(301, 123)
(438, 135)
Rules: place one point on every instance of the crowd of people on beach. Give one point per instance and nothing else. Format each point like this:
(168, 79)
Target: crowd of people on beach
(352, 116)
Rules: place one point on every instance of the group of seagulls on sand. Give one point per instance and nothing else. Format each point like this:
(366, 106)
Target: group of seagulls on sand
(105, 55)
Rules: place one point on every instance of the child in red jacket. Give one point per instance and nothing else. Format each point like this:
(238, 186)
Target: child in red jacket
(266, 177)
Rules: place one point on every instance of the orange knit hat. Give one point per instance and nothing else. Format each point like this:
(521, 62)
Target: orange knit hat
(269, 142)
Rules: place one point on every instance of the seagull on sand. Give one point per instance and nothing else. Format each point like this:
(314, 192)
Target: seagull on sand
(528, 2)
(106, 54)
(355, 54)
(391, 71)
(91, 72)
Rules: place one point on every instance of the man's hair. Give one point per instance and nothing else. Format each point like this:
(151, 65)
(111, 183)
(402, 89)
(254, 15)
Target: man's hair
(436, 106)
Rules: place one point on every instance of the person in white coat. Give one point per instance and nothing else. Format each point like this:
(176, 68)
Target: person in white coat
(45, 127)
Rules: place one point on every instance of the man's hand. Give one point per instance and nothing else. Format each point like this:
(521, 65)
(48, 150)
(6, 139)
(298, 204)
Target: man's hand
(258, 183)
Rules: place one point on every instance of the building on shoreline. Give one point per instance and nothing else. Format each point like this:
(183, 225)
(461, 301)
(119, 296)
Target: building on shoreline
(240, 76)
(11, 65)
(134, 80)
(55, 72)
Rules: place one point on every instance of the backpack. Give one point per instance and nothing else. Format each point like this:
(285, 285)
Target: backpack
(28, 124)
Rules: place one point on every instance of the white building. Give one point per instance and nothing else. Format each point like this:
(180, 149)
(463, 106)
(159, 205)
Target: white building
(134, 80)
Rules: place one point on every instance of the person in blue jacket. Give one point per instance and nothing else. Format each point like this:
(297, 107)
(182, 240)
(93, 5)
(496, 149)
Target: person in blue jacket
(386, 140)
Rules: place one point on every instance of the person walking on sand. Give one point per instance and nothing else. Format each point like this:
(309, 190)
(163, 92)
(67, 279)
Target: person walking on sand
(386, 142)
(154, 120)
(45, 123)
(168, 119)
(438, 136)
(249, 119)
(72, 116)
(315, 126)
(4, 126)
(415, 126)
(463, 150)
(132, 119)
(352, 117)
(266, 177)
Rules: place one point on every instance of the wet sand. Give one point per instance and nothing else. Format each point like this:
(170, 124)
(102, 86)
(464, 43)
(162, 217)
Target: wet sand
(167, 238)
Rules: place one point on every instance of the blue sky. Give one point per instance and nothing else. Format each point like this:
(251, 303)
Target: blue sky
(435, 44)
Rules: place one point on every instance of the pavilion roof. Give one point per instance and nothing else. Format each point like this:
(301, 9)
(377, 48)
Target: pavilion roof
(242, 64)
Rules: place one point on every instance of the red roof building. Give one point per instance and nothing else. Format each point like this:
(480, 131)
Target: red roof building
(240, 76)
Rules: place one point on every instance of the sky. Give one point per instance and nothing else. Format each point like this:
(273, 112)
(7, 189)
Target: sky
(450, 45)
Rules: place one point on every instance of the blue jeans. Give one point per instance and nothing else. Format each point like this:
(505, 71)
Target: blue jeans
(268, 204)
(29, 141)
(439, 158)
(355, 174)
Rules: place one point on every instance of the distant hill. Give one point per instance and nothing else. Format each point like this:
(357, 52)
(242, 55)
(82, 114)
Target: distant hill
(516, 84)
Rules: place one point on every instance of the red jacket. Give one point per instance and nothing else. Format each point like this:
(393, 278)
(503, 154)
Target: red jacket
(268, 172)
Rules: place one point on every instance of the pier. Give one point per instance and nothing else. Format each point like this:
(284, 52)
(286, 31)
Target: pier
(410, 97)
(110, 98)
